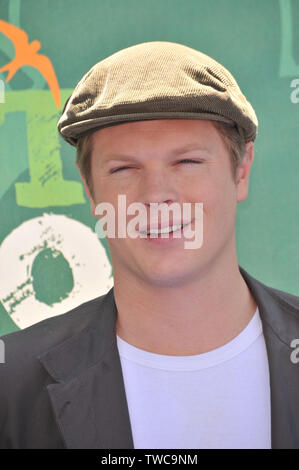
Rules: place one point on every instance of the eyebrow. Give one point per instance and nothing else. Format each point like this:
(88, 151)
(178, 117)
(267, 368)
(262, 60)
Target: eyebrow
(175, 152)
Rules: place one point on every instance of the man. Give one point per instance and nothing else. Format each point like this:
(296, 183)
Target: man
(187, 350)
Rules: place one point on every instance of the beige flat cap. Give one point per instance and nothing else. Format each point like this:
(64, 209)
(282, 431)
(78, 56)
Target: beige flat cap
(155, 80)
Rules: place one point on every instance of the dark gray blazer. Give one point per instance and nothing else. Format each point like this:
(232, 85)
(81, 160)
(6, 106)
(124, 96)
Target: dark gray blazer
(62, 385)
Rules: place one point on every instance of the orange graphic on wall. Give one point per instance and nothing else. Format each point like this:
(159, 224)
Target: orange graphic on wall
(26, 54)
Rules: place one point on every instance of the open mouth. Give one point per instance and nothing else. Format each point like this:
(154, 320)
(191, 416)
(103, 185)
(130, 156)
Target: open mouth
(157, 233)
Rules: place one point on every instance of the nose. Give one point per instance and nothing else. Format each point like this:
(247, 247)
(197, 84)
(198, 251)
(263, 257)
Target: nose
(158, 186)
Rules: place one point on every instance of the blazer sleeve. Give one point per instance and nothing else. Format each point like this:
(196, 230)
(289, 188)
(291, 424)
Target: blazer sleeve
(27, 420)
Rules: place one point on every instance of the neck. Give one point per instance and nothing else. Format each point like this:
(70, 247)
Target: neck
(184, 320)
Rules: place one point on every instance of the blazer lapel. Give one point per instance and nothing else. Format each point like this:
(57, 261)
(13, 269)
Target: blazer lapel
(280, 320)
(88, 395)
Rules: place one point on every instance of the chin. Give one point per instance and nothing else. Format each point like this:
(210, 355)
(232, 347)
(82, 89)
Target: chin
(169, 279)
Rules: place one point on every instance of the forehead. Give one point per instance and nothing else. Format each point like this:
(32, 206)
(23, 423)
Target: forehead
(168, 133)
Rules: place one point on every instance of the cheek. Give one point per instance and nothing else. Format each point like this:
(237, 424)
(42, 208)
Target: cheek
(221, 212)
(219, 205)
(104, 191)
(112, 190)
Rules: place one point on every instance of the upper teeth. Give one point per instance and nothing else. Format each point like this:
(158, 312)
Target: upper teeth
(173, 228)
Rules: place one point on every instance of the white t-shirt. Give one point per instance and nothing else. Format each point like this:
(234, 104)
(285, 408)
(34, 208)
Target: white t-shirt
(219, 399)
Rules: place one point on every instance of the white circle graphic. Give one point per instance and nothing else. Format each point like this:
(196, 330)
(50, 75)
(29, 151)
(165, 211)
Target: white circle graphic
(82, 250)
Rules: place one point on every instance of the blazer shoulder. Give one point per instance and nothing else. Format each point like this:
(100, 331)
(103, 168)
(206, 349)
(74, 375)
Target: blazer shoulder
(291, 299)
(287, 300)
(35, 339)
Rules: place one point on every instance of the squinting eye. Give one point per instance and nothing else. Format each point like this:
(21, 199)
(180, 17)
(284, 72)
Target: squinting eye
(119, 169)
(189, 161)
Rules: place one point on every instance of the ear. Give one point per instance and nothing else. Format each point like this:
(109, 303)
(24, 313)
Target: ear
(88, 193)
(243, 173)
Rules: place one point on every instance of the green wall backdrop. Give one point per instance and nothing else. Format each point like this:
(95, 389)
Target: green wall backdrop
(50, 257)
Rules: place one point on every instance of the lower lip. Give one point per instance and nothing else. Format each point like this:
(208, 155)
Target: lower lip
(158, 240)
